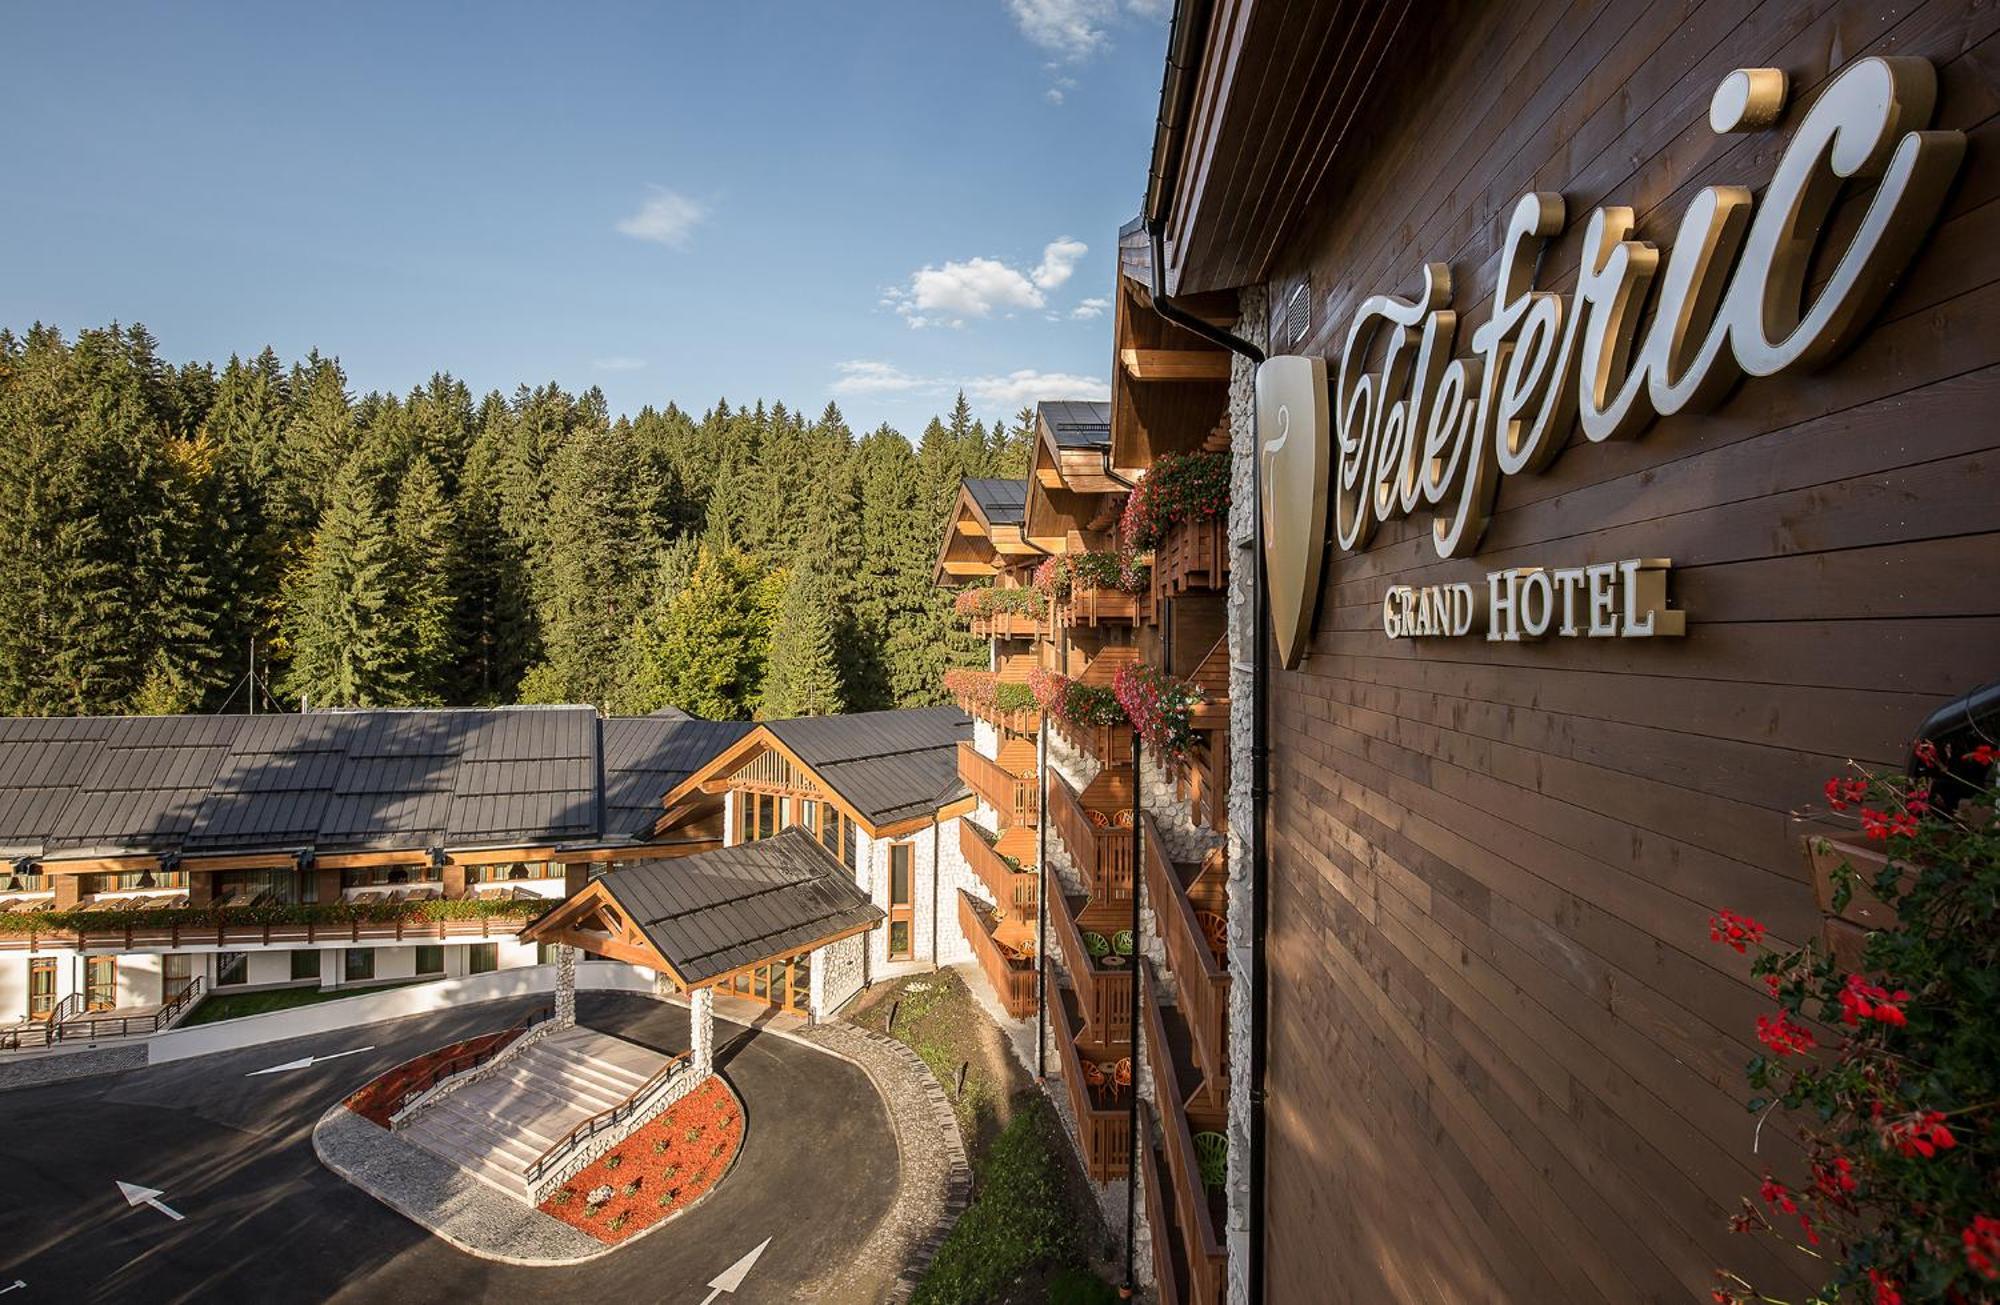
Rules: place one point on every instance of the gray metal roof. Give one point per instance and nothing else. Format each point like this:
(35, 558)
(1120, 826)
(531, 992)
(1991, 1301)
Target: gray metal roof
(889, 765)
(1078, 425)
(645, 757)
(719, 911)
(1004, 502)
(337, 780)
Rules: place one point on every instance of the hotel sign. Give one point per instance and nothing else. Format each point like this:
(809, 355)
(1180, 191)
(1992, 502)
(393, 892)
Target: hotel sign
(1406, 425)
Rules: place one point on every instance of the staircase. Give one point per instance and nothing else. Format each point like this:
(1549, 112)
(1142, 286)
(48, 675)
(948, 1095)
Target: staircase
(496, 1127)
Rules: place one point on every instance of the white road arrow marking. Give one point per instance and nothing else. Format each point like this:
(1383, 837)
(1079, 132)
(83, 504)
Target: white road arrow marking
(15, 1285)
(308, 1062)
(136, 1196)
(732, 1277)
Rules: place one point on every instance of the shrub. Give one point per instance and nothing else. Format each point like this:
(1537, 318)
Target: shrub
(1895, 1084)
(613, 1160)
(209, 917)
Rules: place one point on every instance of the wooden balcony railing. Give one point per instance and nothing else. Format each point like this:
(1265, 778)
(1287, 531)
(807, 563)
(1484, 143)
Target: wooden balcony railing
(224, 932)
(1200, 980)
(974, 691)
(1103, 853)
(1010, 625)
(1207, 1260)
(1104, 994)
(1104, 1131)
(1111, 745)
(1012, 796)
(1014, 889)
(1089, 606)
(1008, 973)
(1159, 1215)
(1194, 555)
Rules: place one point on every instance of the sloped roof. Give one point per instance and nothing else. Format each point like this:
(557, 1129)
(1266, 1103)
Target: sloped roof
(1077, 425)
(1002, 501)
(888, 765)
(346, 780)
(646, 756)
(715, 912)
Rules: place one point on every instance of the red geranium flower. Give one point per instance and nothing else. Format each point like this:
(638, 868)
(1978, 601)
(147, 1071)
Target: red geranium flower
(1733, 930)
(1982, 1246)
(1835, 1178)
(1921, 1134)
(1861, 1000)
(1983, 755)
(1783, 1036)
(1886, 1291)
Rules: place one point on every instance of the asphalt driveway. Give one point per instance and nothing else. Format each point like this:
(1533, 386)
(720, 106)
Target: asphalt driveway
(231, 1152)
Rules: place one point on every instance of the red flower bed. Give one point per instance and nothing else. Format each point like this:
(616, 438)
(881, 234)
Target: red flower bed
(658, 1171)
(381, 1097)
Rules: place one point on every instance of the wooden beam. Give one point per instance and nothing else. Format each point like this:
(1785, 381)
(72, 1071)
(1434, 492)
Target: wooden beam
(1176, 364)
(971, 526)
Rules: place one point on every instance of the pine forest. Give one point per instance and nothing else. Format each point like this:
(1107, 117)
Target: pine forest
(440, 548)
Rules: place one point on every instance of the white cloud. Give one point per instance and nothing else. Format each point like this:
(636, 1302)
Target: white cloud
(1068, 29)
(957, 292)
(1029, 386)
(666, 218)
(1089, 308)
(1059, 259)
(618, 363)
(864, 376)
(1150, 8)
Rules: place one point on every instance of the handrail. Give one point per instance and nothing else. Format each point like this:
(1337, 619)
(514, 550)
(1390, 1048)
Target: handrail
(465, 1061)
(1011, 888)
(1166, 1269)
(1012, 796)
(1105, 1134)
(1103, 855)
(123, 1026)
(1205, 1251)
(1203, 985)
(610, 1117)
(1015, 988)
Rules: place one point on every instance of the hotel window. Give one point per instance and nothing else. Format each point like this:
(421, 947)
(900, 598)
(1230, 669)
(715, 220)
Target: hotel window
(305, 965)
(100, 983)
(505, 871)
(41, 986)
(387, 876)
(231, 968)
(133, 881)
(757, 815)
(482, 958)
(359, 964)
(430, 960)
(902, 874)
(244, 887)
(836, 833)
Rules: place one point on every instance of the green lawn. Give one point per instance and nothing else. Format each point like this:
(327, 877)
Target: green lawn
(235, 1005)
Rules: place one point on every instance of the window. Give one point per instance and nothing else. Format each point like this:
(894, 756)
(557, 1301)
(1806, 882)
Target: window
(305, 965)
(430, 960)
(757, 815)
(41, 986)
(391, 876)
(231, 968)
(253, 885)
(134, 881)
(359, 964)
(902, 873)
(100, 983)
(505, 871)
(176, 970)
(545, 953)
(482, 958)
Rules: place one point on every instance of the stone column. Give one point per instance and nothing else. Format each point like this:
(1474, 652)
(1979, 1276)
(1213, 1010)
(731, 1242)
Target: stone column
(565, 986)
(701, 1025)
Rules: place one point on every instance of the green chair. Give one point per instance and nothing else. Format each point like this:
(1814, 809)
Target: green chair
(1096, 945)
(1211, 1157)
(1121, 942)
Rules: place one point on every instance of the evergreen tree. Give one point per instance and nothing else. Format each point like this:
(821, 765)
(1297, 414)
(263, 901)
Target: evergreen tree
(704, 648)
(340, 617)
(805, 660)
(426, 573)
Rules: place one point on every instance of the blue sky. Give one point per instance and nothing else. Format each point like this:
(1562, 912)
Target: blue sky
(798, 199)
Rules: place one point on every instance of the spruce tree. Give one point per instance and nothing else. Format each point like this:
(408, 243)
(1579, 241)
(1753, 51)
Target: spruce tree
(340, 615)
(804, 677)
(704, 648)
(425, 582)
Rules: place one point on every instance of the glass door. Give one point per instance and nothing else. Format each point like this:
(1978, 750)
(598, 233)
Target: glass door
(100, 983)
(41, 986)
(176, 968)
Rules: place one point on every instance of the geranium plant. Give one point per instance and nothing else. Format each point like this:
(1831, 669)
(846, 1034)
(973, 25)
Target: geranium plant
(1180, 487)
(1160, 708)
(1053, 577)
(1074, 704)
(1108, 571)
(1893, 1070)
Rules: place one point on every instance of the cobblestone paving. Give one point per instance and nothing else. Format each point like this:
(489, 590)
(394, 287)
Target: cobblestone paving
(936, 1178)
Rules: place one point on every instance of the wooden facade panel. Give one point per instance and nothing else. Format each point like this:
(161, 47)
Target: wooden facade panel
(1505, 1061)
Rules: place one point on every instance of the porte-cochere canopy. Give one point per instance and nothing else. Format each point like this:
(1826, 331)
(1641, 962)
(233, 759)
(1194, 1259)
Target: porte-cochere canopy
(701, 919)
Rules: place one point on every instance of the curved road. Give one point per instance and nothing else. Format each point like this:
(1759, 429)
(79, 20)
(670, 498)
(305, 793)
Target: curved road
(265, 1221)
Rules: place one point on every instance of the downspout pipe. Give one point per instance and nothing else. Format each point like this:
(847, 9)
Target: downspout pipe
(1042, 893)
(1184, 54)
(1132, 1118)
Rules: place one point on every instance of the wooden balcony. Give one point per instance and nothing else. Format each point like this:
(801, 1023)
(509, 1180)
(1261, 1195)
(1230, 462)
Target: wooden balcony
(1089, 607)
(1193, 557)
(973, 691)
(1104, 1128)
(1103, 991)
(1192, 939)
(219, 931)
(1102, 852)
(1197, 1212)
(1009, 971)
(1014, 887)
(1013, 797)
(1111, 745)
(1167, 1253)
(1010, 625)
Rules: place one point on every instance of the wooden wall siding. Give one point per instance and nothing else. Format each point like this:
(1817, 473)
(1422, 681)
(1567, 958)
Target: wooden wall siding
(1505, 1060)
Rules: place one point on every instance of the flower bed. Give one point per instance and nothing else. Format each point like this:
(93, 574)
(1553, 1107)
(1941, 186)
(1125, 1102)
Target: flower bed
(1161, 709)
(1889, 1061)
(1180, 488)
(987, 601)
(984, 689)
(658, 1171)
(383, 1095)
(1073, 704)
(196, 917)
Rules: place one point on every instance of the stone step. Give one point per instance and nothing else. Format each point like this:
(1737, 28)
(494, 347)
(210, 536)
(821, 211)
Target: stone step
(583, 1070)
(605, 1052)
(482, 1137)
(565, 1084)
(501, 1170)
